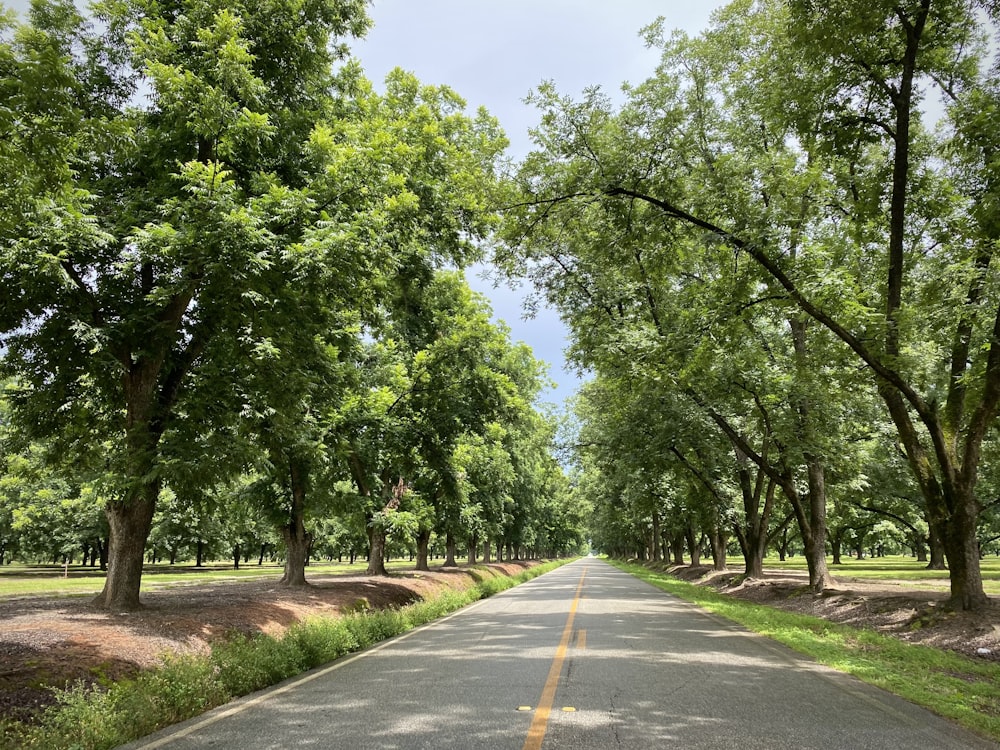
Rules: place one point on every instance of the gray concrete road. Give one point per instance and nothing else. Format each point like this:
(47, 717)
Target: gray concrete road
(585, 657)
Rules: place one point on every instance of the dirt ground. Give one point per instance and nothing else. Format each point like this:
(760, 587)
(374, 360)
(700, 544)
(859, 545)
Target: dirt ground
(896, 608)
(50, 642)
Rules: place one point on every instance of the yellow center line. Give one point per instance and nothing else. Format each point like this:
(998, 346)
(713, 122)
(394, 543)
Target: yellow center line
(536, 733)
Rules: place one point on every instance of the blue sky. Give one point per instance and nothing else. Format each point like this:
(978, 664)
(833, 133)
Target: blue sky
(493, 53)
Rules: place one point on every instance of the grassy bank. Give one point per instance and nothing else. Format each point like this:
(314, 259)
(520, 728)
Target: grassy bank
(93, 719)
(959, 688)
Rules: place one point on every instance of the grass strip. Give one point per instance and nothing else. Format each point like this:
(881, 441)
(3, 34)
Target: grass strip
(959, 688)
(95, 718)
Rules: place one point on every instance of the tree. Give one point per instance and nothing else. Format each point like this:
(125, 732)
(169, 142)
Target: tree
(440, 374)
(853, 213)
(136, 234)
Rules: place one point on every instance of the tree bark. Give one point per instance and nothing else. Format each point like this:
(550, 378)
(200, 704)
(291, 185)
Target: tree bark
(297, 539)
(655, 548)
(423, 542)
(962, 549)
(677, 548)
(718, 542)
(376, 550)
(449, 546)
(815, 542)
(473, 548)
(936, 547)
(694, 545)
(129, 522)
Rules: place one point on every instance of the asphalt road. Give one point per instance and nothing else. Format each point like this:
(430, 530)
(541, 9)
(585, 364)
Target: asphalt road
(585, 657)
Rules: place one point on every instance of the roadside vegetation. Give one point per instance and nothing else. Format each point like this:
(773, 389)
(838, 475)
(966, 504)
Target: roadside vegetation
(94, 718)
(954, 686)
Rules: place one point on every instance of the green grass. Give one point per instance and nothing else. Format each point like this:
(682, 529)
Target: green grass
(25, 580)
(893, 568)
(97, 718)
(956, 687)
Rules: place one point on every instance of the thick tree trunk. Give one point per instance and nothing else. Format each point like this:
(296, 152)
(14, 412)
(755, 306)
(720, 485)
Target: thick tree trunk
(835, 547)
(962, 549)
(376, 550)
(655, 550)
(129, 522)
(473, 548)
(718, 541)
(486, 551)
(297, 542)
(423, 542)
(936, 545)
(449, 546)
(753, 541)
(677, 548)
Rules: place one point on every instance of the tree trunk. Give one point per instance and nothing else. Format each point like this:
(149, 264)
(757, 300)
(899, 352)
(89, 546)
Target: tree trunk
(694, 546)
(936, 545)
(962, 550)
(449, 546)
(835, 545)
(812, 523)
(376, 550)
(199, 555)
(236, 557)
(473, 548)
(129, 523)
(719, 543)
(423, 541)
(487, 548)
(753, 540)
(677, 548)
(656, 551)
(297, 539)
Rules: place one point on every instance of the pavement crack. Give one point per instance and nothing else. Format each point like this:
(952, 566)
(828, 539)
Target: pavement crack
(612, 714)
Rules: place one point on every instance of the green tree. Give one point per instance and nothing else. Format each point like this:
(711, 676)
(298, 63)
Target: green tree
(871, 227)
(138, 232)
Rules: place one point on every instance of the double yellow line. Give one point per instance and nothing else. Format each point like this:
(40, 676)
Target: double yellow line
(536, 733)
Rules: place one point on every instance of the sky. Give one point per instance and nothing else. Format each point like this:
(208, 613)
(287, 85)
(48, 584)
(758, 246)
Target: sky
(493, 53)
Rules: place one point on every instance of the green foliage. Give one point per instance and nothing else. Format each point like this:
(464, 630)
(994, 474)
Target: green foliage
(249, 663)
(92, 717)
(753, 249)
